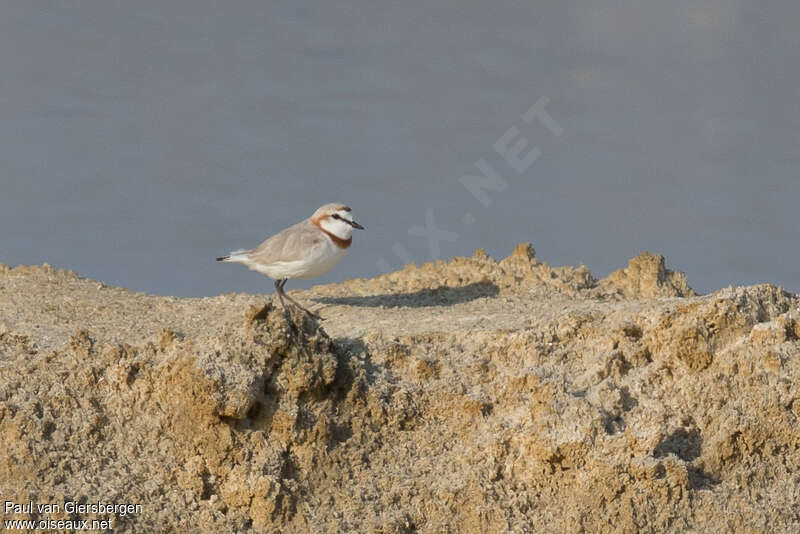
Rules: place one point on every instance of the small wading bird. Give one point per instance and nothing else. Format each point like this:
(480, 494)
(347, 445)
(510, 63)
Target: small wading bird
(308, 249)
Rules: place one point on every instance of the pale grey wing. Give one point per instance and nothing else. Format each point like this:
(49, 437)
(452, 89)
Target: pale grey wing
(291, 244)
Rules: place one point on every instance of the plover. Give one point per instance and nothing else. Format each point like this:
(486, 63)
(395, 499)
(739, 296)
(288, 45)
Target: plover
(308, 249)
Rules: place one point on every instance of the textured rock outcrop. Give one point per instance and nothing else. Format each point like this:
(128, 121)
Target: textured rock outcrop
(646, 276)
(466, 396)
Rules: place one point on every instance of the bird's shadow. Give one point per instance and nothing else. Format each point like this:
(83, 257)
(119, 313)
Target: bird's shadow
(440, 296)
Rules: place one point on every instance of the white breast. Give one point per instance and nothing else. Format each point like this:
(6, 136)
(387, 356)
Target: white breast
(320, 259)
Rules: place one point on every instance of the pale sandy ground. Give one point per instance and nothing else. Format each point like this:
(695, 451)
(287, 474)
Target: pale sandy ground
(465, 396)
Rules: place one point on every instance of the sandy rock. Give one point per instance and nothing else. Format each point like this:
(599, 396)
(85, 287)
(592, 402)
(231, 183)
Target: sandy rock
(646, 276)
(464, 396)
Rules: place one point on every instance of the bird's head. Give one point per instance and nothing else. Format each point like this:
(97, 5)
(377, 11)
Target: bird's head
(336, 219)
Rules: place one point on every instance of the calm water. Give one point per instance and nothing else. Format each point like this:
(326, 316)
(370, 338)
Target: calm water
(139, 140)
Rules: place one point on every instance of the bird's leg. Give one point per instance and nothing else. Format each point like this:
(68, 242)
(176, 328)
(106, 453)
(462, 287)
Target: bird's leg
(297, 304)
(292, 327)
(279, 290)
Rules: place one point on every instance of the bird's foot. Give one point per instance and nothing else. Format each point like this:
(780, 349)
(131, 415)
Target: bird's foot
(316, 316)
(310, 313)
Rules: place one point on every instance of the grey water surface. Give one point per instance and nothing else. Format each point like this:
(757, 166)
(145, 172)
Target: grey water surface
(140, 140)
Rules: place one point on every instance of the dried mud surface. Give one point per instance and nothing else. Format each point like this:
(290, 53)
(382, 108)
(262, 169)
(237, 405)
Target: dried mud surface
(468, 396)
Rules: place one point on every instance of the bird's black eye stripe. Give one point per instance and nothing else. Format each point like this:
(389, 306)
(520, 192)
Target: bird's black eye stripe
(336, 216)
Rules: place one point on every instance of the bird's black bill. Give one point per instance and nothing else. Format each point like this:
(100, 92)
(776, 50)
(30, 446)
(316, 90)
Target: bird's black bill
(348, 221)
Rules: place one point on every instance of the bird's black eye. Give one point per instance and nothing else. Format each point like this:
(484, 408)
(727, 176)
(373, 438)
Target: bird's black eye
(336, 216)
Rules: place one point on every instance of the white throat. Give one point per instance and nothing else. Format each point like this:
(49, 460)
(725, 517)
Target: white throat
(340, 229)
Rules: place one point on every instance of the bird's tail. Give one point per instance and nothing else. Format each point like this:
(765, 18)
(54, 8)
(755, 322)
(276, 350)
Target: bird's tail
(237, 256)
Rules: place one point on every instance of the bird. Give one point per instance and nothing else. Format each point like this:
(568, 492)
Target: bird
(305, 250)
